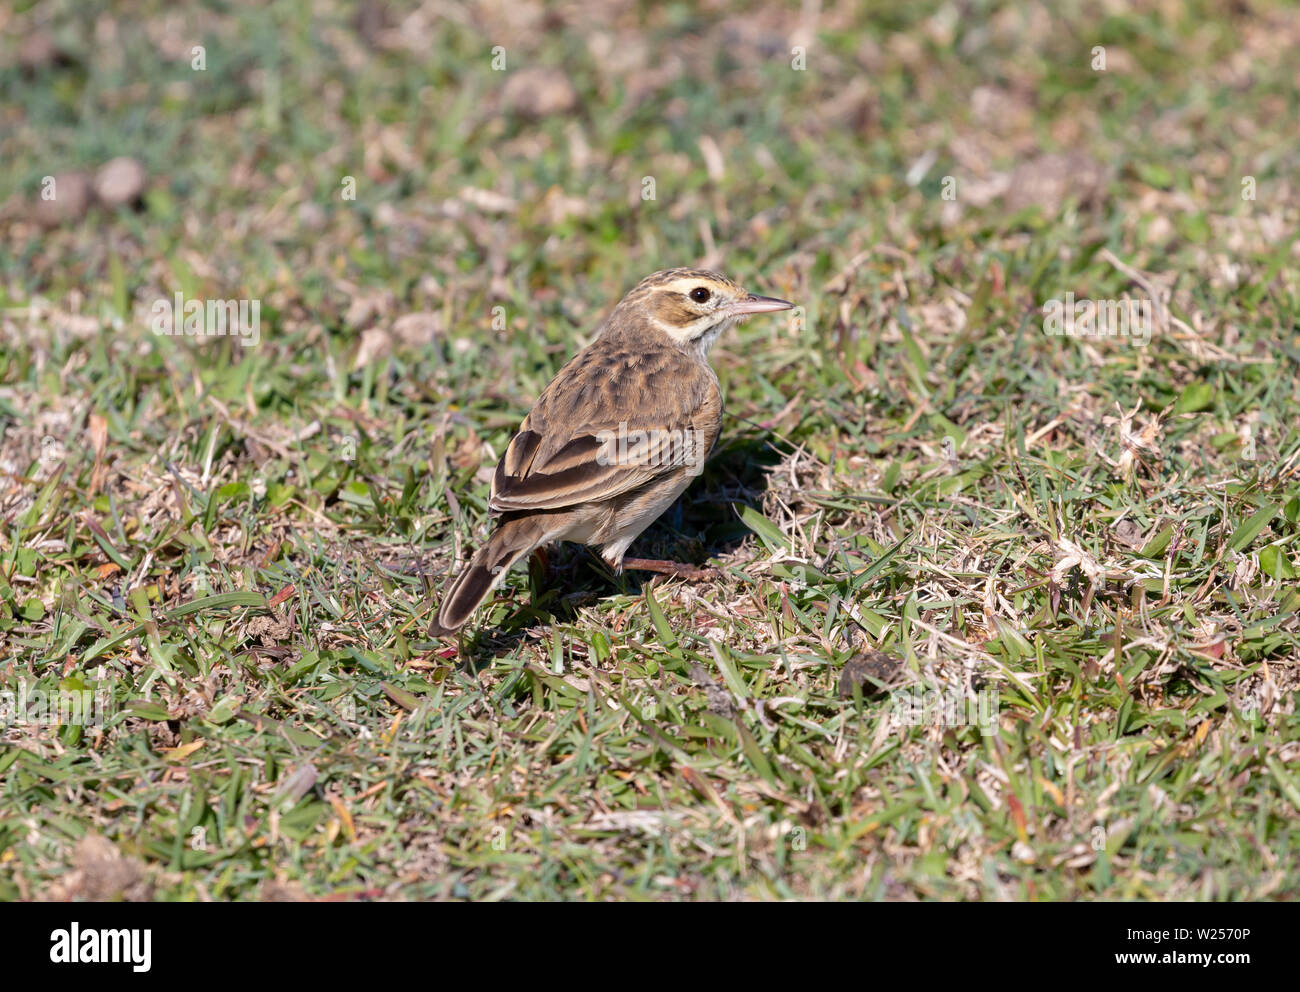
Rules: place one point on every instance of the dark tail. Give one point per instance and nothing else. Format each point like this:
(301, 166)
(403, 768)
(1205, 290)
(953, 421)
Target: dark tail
(512, 539)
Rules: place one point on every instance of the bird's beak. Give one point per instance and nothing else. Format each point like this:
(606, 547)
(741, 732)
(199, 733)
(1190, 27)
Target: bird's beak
(759, 304)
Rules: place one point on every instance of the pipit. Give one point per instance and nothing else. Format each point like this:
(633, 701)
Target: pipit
(616, 437)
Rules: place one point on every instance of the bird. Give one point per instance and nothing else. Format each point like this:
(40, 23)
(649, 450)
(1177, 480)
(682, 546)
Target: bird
(616, 436)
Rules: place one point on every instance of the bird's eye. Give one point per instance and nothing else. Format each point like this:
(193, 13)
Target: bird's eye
(700, 295)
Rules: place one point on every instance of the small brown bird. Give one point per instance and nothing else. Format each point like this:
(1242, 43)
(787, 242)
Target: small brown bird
(617, 435)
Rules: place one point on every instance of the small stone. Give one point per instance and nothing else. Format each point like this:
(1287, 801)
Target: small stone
(867, 670)
(720, 701)
(101, 874)
(1023, 853)
(70, 196)
(539, 92)
(1128, 533)
(119, 182)
(373, 20)
(39, 50)
(311, 215)
(1048, 181)
(415, 330)
(376, 343)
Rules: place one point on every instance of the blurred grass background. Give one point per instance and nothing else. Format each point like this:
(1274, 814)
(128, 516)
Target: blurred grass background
(239, 546)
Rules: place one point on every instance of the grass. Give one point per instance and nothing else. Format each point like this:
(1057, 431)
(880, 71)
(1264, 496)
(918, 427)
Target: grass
(239, 548)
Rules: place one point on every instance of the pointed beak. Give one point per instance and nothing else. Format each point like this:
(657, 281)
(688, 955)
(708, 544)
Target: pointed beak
(759, 304)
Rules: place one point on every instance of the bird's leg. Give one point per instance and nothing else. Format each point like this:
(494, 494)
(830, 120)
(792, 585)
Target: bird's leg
(674, 568)
(542, 561)
(540, 572)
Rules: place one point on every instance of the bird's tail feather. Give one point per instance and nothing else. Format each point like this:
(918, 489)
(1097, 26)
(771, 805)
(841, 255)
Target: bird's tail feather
(512, 539)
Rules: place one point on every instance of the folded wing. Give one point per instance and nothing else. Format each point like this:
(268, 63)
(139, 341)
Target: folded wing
(579, 443)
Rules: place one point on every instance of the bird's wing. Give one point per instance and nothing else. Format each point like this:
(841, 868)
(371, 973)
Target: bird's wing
(611, 420)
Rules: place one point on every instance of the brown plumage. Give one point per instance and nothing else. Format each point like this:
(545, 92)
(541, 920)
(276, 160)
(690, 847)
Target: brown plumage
(617, 435)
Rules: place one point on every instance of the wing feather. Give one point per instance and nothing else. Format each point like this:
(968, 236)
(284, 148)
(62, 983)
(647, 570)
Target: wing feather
(581, 442)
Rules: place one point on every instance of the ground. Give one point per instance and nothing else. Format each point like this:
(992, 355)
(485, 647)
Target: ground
(1070, 559)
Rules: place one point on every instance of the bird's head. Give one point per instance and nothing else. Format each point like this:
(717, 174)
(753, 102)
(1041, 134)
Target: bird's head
(693, 306)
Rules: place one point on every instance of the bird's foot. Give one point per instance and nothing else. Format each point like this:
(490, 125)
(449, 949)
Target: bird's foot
(674, 568)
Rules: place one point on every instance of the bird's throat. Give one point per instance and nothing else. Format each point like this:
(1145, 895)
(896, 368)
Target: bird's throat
(704, 342)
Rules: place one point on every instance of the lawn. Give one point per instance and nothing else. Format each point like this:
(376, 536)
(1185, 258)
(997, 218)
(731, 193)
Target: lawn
(1065, 562)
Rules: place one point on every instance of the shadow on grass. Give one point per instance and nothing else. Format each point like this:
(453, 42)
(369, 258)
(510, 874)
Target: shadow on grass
(701, 525)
